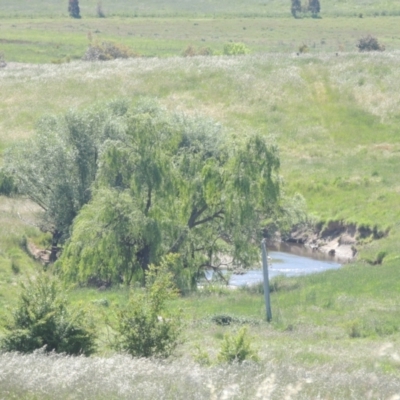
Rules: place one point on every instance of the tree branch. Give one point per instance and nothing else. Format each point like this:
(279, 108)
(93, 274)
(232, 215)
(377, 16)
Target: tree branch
(217, 214)
(148, 204)
(195, 214)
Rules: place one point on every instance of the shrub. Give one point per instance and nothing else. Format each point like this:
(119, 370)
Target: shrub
(201, 356)
(235, 49)
(226, 319)
(73, 9)
(191, 51)
(370, 43)
(303, 49)
(107, 51)
(145, 327)
(42, 319)
(7, 185)
(237, 348)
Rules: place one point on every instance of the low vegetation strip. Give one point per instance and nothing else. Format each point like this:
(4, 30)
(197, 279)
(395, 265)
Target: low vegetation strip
(120, 377)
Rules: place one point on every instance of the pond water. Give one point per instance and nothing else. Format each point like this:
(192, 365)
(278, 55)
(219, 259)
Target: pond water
(285, 263)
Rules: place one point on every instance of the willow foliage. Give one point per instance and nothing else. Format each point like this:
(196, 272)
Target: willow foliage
(57, 166)
(173, 184)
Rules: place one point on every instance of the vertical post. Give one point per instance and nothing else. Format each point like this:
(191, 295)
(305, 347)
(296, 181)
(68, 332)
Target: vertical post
(266, 279)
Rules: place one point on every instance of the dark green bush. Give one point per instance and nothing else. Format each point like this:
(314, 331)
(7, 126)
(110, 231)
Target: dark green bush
(7, 185)
(226, 319)
(73, 8)
(370, 43)
(42, 319)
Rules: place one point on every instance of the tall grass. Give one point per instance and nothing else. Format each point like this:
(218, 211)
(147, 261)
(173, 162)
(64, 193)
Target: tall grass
(120, 377)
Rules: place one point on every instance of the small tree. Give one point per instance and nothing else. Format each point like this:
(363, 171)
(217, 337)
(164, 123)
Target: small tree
(314, 7)
(73, 8)
(296, 8)
(42, 318)
(146, 327)
(237, 348)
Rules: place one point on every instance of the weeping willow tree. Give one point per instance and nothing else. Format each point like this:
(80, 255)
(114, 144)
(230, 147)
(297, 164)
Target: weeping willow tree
(57, 166)
(173, 184)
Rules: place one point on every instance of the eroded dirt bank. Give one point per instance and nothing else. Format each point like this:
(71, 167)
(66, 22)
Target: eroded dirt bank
(335, 239)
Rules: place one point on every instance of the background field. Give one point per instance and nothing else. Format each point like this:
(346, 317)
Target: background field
(46, 40)
(333, 112)
(173, 8)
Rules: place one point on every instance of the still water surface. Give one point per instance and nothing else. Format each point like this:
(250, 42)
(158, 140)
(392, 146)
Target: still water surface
(282, 263)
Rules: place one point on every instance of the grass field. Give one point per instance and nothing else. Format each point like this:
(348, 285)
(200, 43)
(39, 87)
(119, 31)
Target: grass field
(213, 8)
(46, 40)
(336, 120)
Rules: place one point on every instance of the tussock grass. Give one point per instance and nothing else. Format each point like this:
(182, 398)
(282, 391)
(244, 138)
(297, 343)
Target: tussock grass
(120, 377)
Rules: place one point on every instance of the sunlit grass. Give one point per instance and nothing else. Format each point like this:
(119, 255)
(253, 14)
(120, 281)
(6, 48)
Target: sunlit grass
(61, 39)
(339, 146)
(119, 377)
(225, 8)
(335, 119)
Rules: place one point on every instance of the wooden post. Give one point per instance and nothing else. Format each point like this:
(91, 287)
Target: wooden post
(266, 280)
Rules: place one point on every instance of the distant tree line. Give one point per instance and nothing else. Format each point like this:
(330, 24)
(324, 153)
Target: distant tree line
(74, 10)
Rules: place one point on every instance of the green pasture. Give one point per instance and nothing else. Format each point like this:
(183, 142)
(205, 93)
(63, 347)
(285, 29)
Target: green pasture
(170, 8)
(340, 318)
(57, 40)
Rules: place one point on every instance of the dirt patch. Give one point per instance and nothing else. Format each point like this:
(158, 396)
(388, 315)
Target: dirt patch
(43, 256)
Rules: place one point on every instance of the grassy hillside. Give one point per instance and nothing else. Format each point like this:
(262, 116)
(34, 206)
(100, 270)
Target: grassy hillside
(335, 118)
(336, 121)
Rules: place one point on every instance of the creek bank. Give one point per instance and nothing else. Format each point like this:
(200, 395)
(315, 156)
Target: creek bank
(335, 239)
